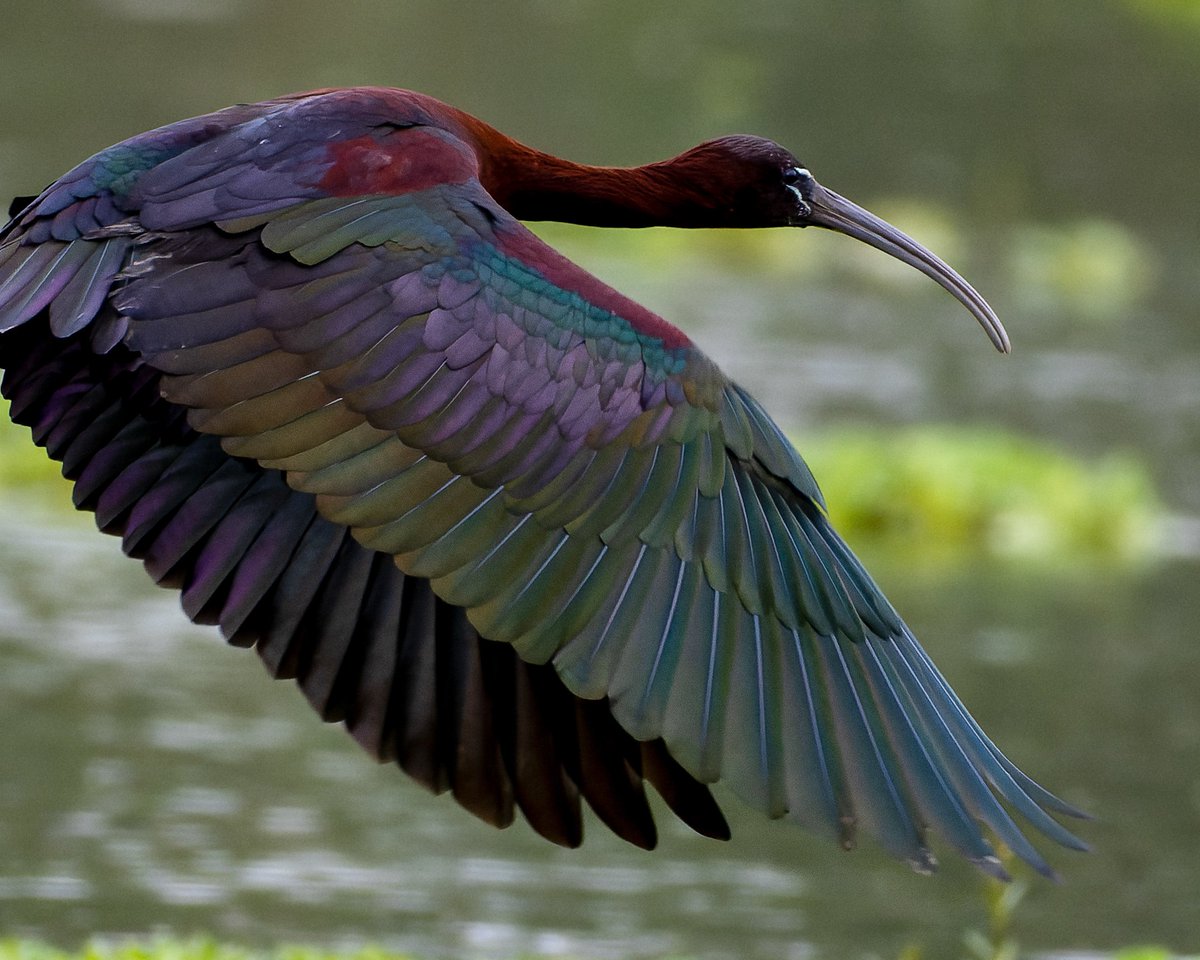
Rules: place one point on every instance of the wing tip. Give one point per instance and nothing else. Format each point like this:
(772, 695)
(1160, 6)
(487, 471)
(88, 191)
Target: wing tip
(994, 868)
(924, 863)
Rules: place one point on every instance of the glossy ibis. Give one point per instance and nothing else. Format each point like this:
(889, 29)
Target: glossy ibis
(514, 530)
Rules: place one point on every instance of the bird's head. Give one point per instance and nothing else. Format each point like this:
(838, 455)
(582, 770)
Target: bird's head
(754, 182)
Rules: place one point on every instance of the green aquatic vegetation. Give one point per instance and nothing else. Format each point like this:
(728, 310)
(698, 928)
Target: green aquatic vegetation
(1148, 953)
(952, 490)
(1000, 900)
(997, 941)
(1096, 269)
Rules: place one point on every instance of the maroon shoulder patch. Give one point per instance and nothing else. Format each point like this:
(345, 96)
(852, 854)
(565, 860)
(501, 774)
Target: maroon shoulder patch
(403, 162)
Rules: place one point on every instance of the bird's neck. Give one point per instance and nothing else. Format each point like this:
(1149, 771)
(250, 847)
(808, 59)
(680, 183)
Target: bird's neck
(533, 185)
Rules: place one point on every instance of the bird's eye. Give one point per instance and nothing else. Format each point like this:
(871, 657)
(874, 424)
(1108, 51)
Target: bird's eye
(795, 176)
(799, 183)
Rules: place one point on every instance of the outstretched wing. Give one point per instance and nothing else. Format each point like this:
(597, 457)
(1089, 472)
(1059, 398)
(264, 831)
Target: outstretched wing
(337, 300)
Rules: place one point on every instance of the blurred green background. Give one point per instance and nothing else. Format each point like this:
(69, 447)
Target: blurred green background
(1032, 516)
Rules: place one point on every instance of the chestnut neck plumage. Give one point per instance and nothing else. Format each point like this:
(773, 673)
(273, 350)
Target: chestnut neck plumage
(681, 192)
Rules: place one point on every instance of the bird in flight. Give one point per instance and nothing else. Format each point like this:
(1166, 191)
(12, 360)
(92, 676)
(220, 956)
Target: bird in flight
(514, 530)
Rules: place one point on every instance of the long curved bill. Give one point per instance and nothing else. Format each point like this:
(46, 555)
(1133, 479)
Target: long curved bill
(835, 212)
